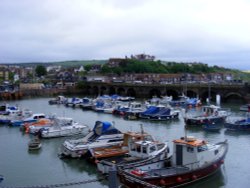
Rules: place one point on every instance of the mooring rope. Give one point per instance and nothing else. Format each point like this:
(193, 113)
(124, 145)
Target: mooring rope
(56, 185)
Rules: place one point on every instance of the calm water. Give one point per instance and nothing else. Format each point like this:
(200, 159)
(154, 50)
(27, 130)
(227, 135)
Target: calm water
(23, 168)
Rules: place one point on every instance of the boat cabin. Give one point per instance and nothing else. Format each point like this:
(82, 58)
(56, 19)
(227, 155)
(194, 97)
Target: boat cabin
(213, 110)
(145, 148)
(38, 116)
(192, 152)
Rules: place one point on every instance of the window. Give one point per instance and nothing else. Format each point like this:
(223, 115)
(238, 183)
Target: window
(202, 148)
(152, 149)
(138, 148)
(216, 151)
(190, 149)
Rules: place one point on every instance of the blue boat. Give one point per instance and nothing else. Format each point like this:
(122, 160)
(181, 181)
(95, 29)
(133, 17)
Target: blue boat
(239, 125)
(159, 113)
(185, 101)
(32, 118)
(209, 114)
(213, 127)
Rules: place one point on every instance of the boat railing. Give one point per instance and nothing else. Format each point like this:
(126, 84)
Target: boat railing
(134, 179)
(189, 165)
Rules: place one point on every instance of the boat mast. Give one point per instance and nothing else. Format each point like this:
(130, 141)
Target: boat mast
(209, 93)
(142, 130)
(185, 132)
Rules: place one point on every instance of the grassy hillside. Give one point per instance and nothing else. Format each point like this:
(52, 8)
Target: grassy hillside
(79, 63)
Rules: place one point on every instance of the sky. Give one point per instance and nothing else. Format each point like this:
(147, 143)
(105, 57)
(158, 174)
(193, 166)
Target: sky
(215, 32)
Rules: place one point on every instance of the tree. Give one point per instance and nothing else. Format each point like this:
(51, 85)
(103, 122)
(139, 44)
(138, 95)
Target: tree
(87, 67)
(40, 70)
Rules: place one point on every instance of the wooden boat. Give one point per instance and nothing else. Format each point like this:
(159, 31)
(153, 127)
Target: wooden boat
(34, 144)
(141, 150)
(192, 160)
(97, 154)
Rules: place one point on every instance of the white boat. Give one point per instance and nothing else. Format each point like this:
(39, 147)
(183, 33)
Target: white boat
(34, 144)
(103, 134)
(210, 114)
(58, 100)
(192, 160)
(245, 107)
(34, 127)
(63, 126)
(147, 152)
(74, 102)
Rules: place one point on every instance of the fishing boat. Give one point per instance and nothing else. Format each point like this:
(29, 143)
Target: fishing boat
(96, 154)
(34, 144)
(210, 114)
(239, 125)
(142, 150)
(63, 126)
(192, 160)
(103, 134)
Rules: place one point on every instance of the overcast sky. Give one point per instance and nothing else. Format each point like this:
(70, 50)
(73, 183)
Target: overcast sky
(216, 32)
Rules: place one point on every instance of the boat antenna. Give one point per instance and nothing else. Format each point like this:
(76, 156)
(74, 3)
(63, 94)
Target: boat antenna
(185, 132)
(209, 93)
(142, 130)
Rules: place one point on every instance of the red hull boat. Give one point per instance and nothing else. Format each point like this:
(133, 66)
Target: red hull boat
(192, 160)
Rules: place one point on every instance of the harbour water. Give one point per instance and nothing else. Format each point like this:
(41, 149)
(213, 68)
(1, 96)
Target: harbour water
(23, 168)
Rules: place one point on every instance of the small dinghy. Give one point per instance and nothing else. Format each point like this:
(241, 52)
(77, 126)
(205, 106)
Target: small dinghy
(34, 144)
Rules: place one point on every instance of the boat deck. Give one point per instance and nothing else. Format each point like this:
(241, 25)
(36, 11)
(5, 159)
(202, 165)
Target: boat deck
(165, 172)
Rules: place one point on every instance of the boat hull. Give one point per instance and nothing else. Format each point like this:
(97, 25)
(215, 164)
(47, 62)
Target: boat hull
(202, 121)
(160, 118)
(238, 127)
(174, 180)
(172, 176)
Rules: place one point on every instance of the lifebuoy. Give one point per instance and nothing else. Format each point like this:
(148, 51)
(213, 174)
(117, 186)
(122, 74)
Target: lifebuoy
(138, 172)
